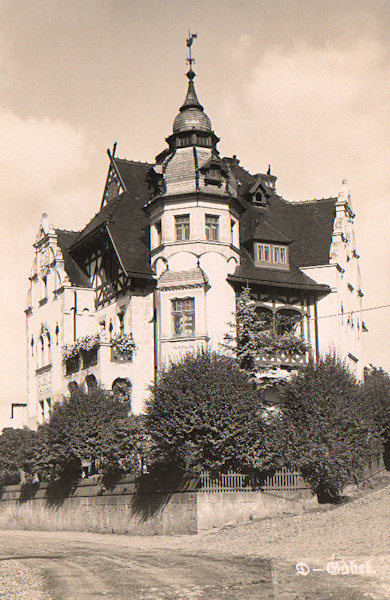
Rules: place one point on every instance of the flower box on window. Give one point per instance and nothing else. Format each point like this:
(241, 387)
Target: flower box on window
(122, 347)
(85, 346)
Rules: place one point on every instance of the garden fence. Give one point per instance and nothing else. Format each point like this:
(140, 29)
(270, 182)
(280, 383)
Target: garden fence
(281, 481)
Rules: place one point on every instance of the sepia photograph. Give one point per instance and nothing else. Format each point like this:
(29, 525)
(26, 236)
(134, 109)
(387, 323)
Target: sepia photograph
(195, 299)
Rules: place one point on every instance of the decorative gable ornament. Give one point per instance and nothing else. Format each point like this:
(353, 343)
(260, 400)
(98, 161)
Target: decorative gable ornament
(44, 228)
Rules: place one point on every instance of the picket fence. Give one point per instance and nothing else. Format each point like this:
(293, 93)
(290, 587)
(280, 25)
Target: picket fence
(281, 481)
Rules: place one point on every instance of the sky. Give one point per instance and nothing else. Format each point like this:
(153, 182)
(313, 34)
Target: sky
(303, 85)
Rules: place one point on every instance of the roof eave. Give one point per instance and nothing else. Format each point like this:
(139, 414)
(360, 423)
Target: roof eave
(318, 288)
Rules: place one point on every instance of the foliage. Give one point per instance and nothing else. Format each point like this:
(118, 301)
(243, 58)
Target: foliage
(86, 343)
(204, 413)
(17, 454)
(92, 426)
(376, 391)
(329, 435)
(257, 334)
(124, 345)
(127, 445)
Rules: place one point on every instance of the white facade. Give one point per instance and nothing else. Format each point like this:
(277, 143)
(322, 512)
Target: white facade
(340, 321)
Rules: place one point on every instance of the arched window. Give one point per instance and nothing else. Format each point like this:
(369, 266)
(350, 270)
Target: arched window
(47, 349)
(266, 316)
(121, 389)
(90, 383)
(288, 320)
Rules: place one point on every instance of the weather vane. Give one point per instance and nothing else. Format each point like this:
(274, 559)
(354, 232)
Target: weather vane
(190, 39)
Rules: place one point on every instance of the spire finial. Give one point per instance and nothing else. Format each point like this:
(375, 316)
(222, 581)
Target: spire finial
(190, 60)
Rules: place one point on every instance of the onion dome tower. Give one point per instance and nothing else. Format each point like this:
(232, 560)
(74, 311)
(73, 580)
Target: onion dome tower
(194, 232)
(191, 163)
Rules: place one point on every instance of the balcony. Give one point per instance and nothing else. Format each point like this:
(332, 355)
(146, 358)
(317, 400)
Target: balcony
(282, 359)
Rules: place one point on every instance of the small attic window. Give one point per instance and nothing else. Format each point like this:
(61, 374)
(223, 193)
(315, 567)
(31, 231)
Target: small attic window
(259, 198)
(213, 176)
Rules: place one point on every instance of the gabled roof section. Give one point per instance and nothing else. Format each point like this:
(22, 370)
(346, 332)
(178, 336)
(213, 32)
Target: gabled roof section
(121, 177)
(308, 224)
(125, 221)
(214, 161)
(76, 276)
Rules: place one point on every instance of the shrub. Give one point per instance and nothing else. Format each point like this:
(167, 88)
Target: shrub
(329, 434)
(17, 454)
(204, 413)
(376, 393)
(93, 426)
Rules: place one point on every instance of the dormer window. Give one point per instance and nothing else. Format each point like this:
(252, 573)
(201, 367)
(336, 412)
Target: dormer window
(280, 255)
(259, 199)
(213, 176)
(271, 255)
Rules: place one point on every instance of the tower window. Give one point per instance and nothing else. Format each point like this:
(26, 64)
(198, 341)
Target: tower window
(182, 225)
(212, 227)
(157, 237)
(183, 317)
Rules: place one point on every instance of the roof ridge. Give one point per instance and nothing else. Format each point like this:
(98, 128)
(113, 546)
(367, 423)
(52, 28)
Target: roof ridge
(311, 200)
(65, 230)
(134, 162)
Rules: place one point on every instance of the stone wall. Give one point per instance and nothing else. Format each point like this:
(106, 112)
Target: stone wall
(134, 507)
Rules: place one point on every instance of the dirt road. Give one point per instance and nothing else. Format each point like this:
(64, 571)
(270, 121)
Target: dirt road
(252, 561)
(84, 566)
(77, 566)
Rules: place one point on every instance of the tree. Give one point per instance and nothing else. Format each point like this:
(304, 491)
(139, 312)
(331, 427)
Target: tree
(93, 426)
(258, 334)
(204, 413)
(329, 434)
(376, 393)
(17, 456)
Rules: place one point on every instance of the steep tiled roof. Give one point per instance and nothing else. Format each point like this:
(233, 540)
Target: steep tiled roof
(184, 174)
(312, 225)
(307, 225)
(125, 220)
(256, 227)
(76, 276)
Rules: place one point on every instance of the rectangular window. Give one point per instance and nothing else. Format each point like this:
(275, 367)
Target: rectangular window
(280, 255)
(157, 227)
(271, 254)
(212, 227)
(263, 253)
(182, 224)
(183, 317)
